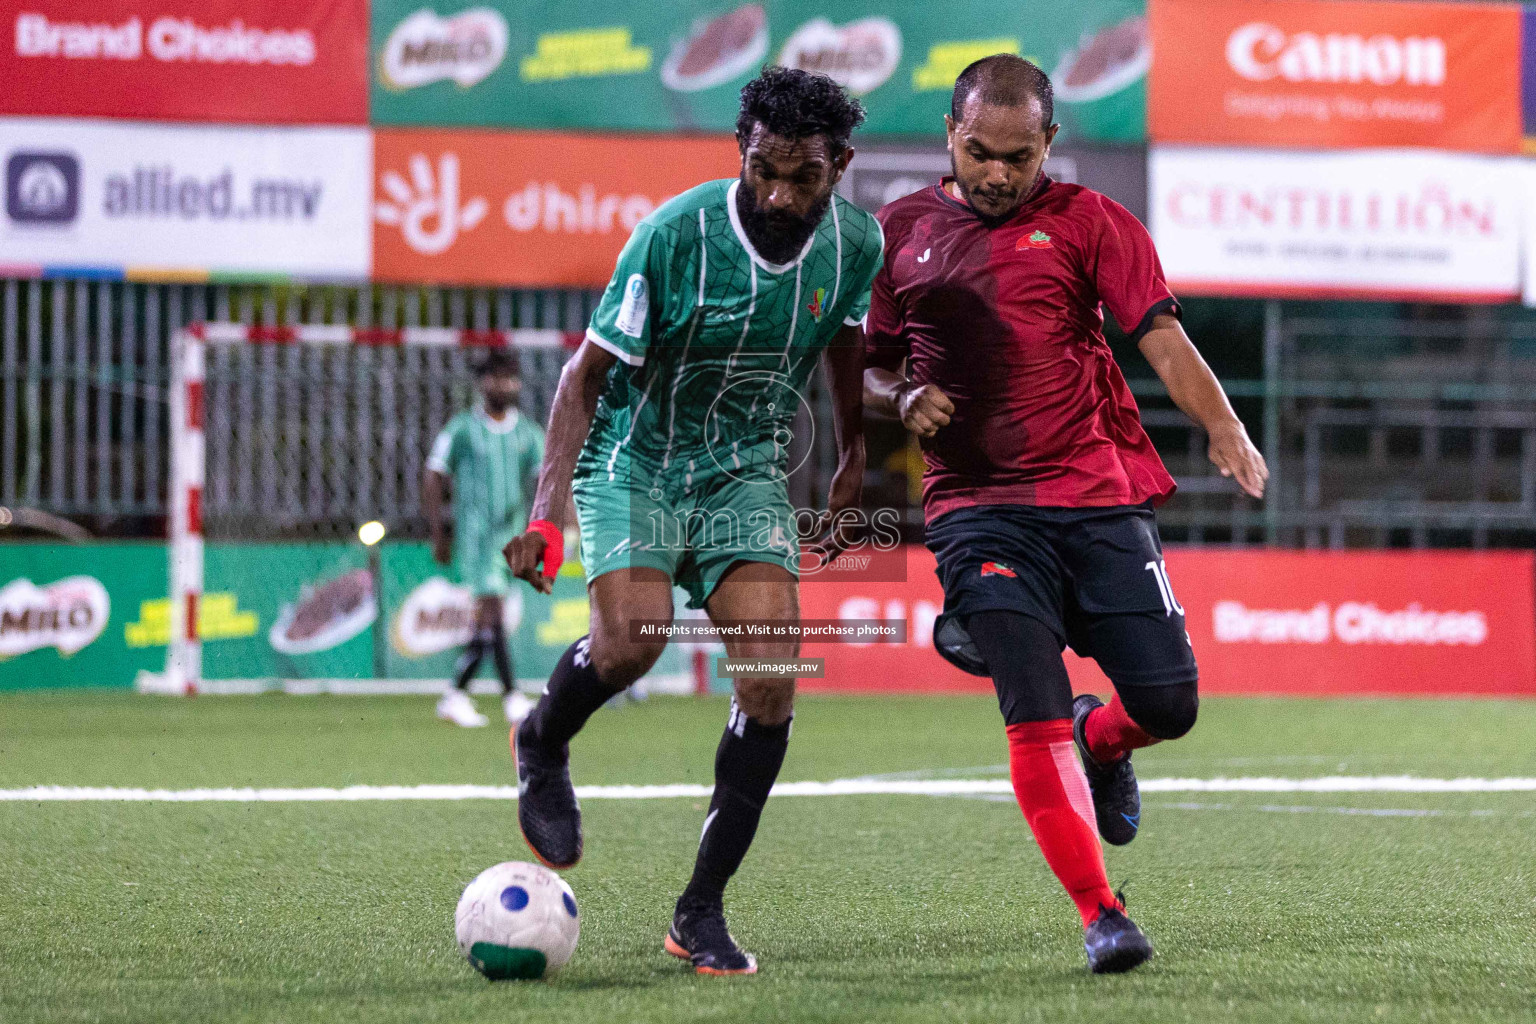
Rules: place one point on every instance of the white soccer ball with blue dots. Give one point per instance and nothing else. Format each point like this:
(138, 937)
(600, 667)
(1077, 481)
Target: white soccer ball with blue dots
(517, 920)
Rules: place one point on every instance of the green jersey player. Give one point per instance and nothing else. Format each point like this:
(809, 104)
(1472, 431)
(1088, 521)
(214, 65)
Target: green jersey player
(488, 455)
(672, 422)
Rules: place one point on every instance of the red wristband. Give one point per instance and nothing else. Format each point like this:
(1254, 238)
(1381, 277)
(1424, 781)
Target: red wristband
(554, 545)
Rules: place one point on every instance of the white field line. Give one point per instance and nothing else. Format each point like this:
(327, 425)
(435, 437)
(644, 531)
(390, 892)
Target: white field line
(156, 684)
(1370, 812)
(839, 787)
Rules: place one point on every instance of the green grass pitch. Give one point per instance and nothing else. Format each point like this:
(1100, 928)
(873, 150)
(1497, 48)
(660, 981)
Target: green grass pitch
(1264, 907)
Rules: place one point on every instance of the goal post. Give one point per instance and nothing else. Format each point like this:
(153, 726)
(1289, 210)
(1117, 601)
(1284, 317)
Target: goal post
(315, 448)
(184, 543)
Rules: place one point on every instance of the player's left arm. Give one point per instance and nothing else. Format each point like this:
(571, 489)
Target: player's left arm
(1124, 267)
(843, 363)
(1197, 392)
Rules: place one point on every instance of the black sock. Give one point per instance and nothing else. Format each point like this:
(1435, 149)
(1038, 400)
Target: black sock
(469, 661)
(503, 657)
(573, 693)
(746, 763)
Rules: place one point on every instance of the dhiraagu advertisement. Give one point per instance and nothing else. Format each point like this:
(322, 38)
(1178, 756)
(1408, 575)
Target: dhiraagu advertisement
(680, 66)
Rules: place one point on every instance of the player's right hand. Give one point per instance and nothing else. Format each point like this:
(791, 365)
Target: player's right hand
(924, 409)
(530, 556)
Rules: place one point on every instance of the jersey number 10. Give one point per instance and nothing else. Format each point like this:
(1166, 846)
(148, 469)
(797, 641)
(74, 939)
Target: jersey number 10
(1159, 571)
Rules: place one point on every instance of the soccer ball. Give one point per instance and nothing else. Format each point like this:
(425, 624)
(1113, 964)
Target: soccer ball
(517, 920)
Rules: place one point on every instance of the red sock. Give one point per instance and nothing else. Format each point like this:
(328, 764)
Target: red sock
(1053, 794)
(1111, 734)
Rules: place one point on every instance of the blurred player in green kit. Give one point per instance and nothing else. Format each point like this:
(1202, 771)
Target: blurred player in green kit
(489, 455)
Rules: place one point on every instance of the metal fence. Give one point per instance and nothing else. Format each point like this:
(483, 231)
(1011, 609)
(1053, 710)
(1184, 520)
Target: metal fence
(311, 440)
(1419, 431)
(1383, 427)
(84, 369)
(1402, 430)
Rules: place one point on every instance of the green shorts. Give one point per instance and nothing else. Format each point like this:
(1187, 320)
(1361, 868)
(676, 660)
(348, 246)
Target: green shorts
(692, 528)
(482, 568)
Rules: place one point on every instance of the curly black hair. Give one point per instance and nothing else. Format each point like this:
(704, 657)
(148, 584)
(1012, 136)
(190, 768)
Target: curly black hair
(1005, 80)
(797, 104)
(496, 362)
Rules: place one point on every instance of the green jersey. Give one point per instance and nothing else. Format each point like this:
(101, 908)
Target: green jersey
(715, 343)
(493, 465)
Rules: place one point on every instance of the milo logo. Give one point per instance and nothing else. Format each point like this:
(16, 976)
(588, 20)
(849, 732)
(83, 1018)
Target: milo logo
(67, 615)
(437, 616)
(859, 56)
(425, 48)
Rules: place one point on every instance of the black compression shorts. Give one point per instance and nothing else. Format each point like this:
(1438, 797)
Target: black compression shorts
(1094, 576)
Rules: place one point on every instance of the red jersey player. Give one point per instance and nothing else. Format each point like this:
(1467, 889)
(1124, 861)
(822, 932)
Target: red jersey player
(1040, 481)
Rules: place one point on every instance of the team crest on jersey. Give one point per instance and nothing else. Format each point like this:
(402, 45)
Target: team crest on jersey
(1038, 240)
(635, 307)
(997, 569)
(817, 304)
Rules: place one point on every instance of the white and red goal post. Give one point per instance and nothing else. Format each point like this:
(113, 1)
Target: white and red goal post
(188, 450)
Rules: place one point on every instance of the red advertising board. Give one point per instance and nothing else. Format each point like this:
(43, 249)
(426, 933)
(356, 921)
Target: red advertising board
(1290, 622)
(1351, 73)
(527, 209)
(250, 61)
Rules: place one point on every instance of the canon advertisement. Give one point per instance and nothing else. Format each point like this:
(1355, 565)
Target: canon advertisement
(272, 61)
(1350, 73)
(185, 199)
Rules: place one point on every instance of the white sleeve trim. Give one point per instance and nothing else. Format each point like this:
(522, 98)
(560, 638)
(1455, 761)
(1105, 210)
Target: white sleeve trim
(863, 321)
(608, 346)
(437, 460)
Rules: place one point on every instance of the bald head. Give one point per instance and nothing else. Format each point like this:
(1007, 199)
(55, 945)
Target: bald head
(1003, 80)
(999, 132)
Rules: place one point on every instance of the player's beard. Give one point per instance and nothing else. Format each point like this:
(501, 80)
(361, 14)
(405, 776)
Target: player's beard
(1007, 202)
(777, 237)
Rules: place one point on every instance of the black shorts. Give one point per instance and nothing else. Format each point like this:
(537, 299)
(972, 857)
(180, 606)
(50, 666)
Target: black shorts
(1086, 573)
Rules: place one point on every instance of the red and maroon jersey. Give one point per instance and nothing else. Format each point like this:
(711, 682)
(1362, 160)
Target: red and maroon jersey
(1005, 319)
